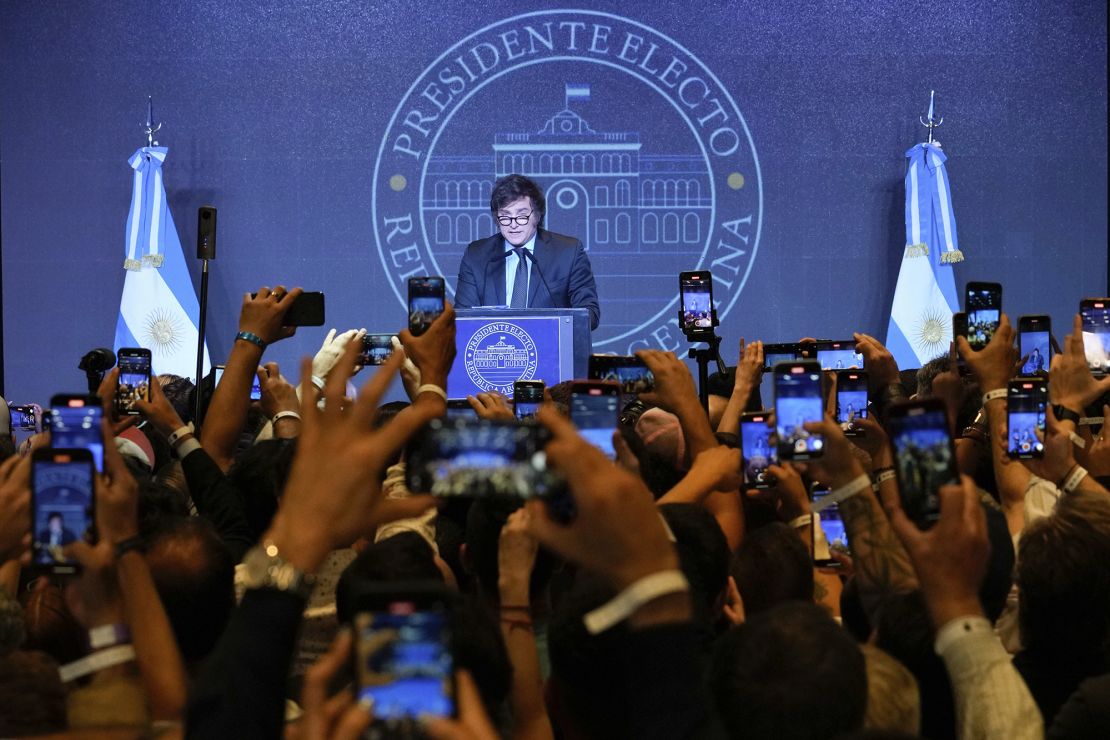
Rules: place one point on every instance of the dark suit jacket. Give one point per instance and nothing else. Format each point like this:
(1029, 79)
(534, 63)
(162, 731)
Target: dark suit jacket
(561, 260)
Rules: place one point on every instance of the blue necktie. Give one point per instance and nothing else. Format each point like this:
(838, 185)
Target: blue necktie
(520, 284)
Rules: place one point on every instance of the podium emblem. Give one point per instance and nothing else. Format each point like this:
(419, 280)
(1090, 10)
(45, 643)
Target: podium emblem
(498, 355)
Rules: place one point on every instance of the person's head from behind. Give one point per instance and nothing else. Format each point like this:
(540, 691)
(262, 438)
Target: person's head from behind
(518, 207)
(893, 701)
(772, 566)
(403, 558)
(484, 521)
(194, 573)
(1063, 574)
(703, 554)
(32, 695)
(789, 673)
(260, 473)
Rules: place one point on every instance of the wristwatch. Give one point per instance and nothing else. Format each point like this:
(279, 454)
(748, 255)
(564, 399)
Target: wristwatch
(265, 568)
(1063, 413)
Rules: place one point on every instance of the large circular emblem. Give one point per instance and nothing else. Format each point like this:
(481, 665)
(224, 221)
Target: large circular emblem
(498, 355)
(642, 153)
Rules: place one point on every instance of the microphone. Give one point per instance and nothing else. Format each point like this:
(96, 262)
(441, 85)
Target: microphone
(539, 272)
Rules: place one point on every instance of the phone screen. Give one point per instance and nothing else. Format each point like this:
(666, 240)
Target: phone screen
(134, 381)
(851, 396)
(62, 509)
(832, 526)
(425, 302)
(696, 290)
(594, 410)
(24, 418)
(773, 354)
(1026, 400)
(78, 425)
(757, 450)
(838, 355)
(798, 401)
(983, 302)
(1096, 333)
(923, 459)
(404, 662)
(376, 349)
(527, 398)
(479, 458)
(629, 372)
(1036, 348)
(217, 375)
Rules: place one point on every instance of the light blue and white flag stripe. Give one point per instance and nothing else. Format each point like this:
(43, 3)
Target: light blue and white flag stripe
(159, 308)
(925, 297)
(577, 91)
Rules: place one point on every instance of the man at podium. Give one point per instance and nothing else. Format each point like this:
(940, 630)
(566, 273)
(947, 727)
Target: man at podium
(524, 265)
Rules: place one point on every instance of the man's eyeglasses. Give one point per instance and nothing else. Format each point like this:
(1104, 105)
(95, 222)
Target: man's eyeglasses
(520, 220)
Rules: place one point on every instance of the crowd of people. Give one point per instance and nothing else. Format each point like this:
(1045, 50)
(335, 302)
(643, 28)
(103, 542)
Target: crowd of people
(220, 595)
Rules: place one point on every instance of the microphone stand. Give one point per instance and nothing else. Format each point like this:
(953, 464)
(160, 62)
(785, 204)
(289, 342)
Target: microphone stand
(206, 249)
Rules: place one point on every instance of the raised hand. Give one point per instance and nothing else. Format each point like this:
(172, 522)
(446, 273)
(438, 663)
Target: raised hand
(674, 386)
(334, 487)
(618, 532)
(332, 349)
(992, 366)
(263, 314)
(335, 718)
(433, 352)
(492, 406)
(1070, 381)
(278, 394)
(159, 411)
(877, 360)
(15, 508)
(951, 557)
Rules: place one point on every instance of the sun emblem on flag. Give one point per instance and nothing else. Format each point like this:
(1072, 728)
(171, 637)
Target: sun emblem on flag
(162, 332)
(932, 331)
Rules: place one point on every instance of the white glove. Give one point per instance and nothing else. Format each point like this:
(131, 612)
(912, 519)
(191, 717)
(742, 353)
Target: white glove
(331, 350)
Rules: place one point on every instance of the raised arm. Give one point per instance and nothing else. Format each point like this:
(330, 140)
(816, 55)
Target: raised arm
(749, 371)
(260, 324)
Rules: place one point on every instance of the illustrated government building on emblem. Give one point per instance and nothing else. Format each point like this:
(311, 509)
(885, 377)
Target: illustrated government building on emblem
(599, 186)
(500, 356)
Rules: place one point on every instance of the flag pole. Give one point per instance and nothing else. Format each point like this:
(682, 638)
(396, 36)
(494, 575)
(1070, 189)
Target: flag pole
(930, 122)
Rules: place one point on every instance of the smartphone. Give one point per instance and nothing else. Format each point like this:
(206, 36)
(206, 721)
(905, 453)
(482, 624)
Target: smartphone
(75, 423)
(62, 505)
(481, 458)
(851, 400)
(1026, 400)
(527, 398)
(838, 355)
(133, 383)
(773, 354)
(307, 309)
(256, 386)
(594, 409)
(798, 401)
(1095, 313)
(403, 660)
(376, 349)
(460, 408)
(629, 372)
(757, 450)
(1035, 344)
(695, 290)
(828, 518)
(983, 303)
(425, 303)
(26, 417)
(923, 457)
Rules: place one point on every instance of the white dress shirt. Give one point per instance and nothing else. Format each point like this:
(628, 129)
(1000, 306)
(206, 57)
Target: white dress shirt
(510, 269)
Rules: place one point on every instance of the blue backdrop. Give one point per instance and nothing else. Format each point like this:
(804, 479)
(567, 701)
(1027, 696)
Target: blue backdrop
(348, 146)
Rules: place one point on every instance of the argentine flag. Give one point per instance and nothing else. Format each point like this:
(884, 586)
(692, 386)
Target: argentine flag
(159, 308)
(925, 297)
